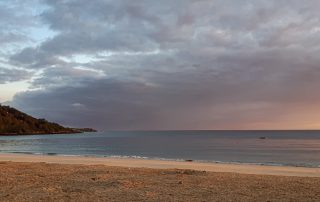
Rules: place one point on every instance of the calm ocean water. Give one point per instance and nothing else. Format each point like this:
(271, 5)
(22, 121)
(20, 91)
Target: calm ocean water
(295, 148)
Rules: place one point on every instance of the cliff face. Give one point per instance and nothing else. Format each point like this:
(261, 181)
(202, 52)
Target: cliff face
(14, 122)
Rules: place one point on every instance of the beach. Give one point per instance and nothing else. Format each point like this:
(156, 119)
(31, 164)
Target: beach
(69, 178)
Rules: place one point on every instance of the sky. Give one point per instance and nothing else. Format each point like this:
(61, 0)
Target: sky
(163, 65)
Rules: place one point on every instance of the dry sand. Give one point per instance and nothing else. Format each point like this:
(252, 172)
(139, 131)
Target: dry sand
(70, 181)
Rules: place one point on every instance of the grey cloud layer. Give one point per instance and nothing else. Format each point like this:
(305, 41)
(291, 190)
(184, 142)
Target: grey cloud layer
(176, 64)
(11, 75)
(16, 20)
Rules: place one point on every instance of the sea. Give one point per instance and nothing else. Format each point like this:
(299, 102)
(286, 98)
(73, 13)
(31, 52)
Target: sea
(285, 148)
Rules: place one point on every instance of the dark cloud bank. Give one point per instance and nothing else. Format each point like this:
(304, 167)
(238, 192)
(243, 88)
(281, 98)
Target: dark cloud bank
(176, 64)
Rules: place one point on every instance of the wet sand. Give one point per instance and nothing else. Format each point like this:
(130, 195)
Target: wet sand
(162, 164)
(55, 178)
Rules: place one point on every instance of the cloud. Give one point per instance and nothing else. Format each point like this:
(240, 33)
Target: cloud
(12, 75)
(199, 97)
(17, 18)
(175, 64)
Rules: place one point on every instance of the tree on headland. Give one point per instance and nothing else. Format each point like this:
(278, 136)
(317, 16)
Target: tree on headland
(13, 121)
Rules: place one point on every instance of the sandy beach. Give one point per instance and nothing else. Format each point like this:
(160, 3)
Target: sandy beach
(163, 164)
(60, 178)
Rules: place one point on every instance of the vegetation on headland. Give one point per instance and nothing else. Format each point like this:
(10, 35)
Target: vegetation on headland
(14, 122)
(83, 130)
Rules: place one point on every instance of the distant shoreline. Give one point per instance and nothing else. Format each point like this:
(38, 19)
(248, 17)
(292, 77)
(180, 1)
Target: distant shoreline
(75, 131)
(53, 133)
(16, 123)
(165, 164)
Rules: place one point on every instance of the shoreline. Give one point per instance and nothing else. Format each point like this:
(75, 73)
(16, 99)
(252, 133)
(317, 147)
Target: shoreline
(40, 133)
(164, 164)
(128, 157)
(74, 131)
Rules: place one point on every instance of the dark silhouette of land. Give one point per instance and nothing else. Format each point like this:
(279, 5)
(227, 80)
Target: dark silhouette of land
(15, 122)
